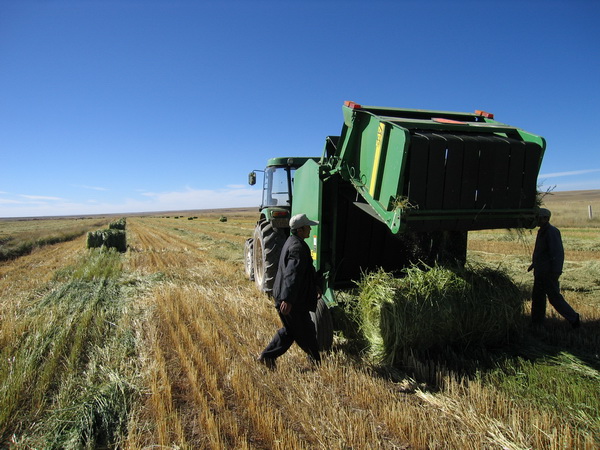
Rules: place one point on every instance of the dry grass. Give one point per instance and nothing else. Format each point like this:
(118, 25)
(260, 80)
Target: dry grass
(570, 209)
(20, 237)
(26, 278)
(208, 392)
(201, 325)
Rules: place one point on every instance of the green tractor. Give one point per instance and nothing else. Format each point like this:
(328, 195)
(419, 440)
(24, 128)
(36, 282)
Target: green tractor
(398, 186)
(261, 252)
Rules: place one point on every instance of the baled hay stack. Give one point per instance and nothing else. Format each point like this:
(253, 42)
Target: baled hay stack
(110, 238)
(115, 239)
(435, 308)
(118, 224)
(94, 239)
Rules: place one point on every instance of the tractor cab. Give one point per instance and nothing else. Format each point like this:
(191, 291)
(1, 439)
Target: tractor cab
(278, 190)
(278, 187)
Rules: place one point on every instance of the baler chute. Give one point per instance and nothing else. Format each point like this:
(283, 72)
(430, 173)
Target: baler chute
(432, 170)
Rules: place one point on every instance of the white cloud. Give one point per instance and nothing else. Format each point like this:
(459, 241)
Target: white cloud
(188, 199)
(584, 185)
(92, 188)
(567, 174)
(41, 197)
(229, 197)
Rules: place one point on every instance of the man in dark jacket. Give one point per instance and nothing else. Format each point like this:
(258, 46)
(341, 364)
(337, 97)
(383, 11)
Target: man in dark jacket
(547, 265)
(296, 294)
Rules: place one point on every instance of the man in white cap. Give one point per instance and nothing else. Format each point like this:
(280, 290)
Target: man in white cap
(296, 294)
(547, 265)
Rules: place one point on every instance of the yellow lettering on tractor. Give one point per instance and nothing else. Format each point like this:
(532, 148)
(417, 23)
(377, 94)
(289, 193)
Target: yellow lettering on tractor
(378, 145)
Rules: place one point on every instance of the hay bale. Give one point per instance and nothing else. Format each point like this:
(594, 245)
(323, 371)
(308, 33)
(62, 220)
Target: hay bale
(115, 239)
(109, 238)
(118, 224)
(436, 308)
(94, 239)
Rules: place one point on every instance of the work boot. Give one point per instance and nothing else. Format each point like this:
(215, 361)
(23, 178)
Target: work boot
(577, 323)
(269, 363)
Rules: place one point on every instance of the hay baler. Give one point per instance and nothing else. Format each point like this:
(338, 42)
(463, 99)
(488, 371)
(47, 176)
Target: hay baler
(397, 186)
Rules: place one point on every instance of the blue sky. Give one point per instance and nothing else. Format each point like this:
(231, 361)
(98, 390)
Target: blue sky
(155, 105)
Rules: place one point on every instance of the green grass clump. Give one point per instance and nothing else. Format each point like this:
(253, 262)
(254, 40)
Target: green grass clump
(70, 375)
(561, 382)
(99, 264)
(434, 309)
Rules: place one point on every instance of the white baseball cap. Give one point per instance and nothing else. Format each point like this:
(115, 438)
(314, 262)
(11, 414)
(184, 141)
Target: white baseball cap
(300, 220)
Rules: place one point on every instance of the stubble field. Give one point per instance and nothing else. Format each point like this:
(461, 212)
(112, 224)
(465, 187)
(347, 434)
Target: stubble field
(156, 347)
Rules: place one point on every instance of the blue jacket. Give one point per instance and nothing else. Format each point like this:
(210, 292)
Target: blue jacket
(296, 280)
(549, 254)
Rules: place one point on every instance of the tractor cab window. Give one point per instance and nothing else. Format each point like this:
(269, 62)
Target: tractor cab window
(276, 192)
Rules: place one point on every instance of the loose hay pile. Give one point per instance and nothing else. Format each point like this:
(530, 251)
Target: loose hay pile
(435, 308)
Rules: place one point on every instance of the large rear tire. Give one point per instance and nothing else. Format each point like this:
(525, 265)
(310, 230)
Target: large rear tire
(267, 246)
(324, 326)
(249, 258)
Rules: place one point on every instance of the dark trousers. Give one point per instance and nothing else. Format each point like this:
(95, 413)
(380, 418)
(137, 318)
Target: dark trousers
(547, 285)
(299, 328)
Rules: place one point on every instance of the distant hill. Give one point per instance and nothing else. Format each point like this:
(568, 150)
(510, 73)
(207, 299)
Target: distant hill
(591, 196)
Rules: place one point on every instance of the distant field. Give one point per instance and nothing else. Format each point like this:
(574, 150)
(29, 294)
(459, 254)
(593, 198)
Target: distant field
(156, 347)
(590, 196)
(565, 203)
(19, 237)
(571, 208)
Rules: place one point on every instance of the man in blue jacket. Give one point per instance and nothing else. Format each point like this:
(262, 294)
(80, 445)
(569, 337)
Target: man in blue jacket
(296, 294)
(547, 265)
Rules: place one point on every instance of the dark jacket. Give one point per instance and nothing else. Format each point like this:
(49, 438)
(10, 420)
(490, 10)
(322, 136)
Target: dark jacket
(548, 255)
(296, 280)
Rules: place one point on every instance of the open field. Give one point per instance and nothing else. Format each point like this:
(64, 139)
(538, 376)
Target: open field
(570, 208)
(155, 348)
(19, 237)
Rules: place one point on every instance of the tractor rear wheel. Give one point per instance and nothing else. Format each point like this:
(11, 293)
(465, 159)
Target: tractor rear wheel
(248, 258)
(324, 325)
(268, 242)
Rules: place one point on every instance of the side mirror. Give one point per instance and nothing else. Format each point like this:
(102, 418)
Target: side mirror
(252, 178)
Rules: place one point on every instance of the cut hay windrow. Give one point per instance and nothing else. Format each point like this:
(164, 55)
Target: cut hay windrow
(436, 308)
